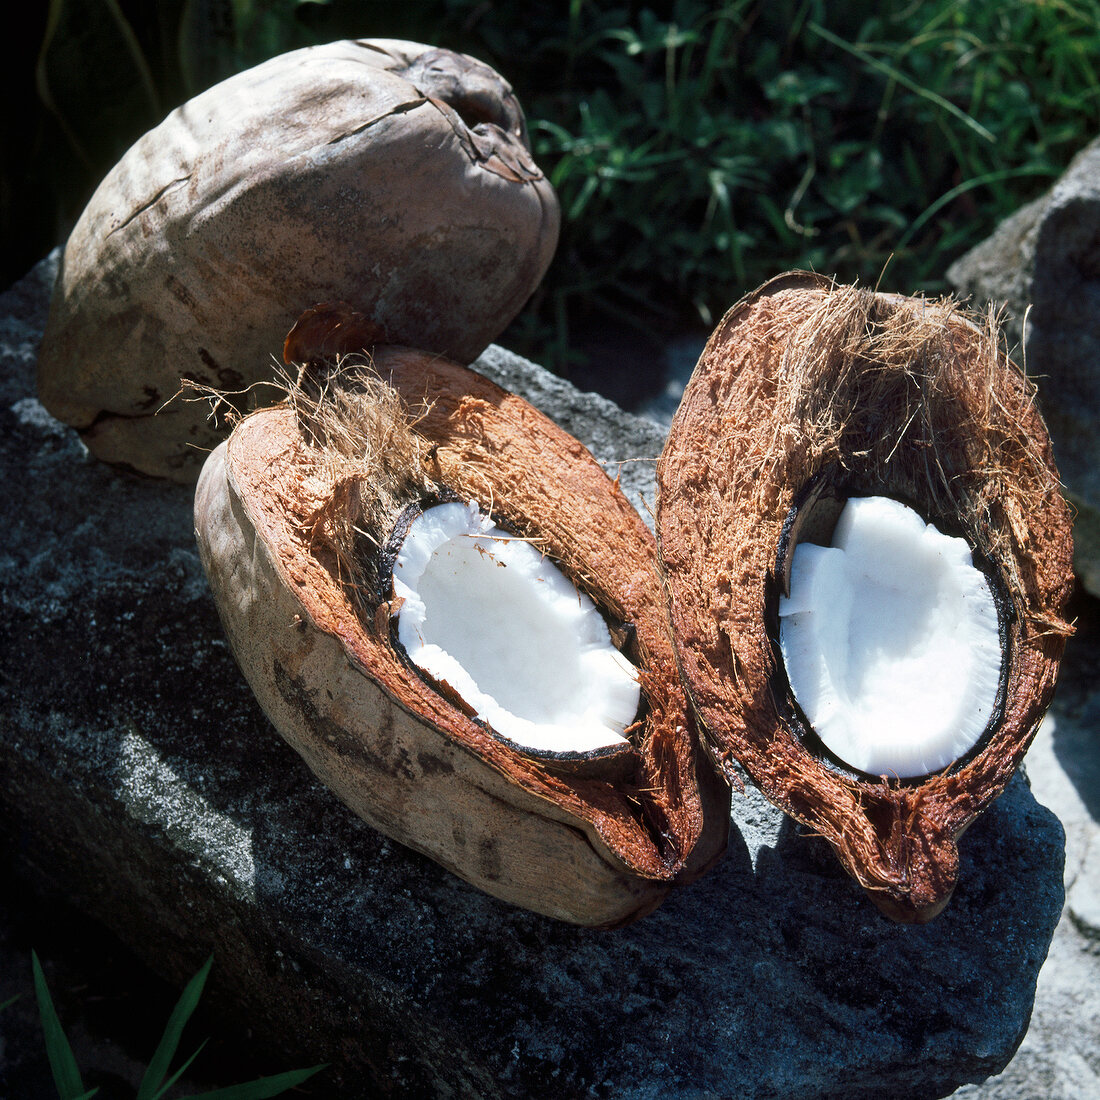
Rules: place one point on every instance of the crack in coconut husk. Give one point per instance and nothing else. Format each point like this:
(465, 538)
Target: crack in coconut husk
(878, 394)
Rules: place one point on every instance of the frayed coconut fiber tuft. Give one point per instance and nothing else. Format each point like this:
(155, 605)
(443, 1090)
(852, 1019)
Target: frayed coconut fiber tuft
(369, 463)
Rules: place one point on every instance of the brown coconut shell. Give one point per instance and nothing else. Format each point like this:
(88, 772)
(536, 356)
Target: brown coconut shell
(568, 839)
(387, 173)
(806, 393)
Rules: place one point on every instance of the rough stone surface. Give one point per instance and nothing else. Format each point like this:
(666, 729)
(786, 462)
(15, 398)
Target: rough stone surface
(1042, 264)
(1059, 1058)
(138, 777)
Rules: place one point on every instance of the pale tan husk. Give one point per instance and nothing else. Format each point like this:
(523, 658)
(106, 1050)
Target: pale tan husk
(809, 383)
(386, 173)
(311, 633)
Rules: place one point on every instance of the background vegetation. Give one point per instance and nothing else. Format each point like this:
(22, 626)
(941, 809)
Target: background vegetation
(698, 148)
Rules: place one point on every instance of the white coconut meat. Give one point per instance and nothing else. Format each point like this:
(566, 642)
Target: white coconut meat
(890, 640)
(486, 613)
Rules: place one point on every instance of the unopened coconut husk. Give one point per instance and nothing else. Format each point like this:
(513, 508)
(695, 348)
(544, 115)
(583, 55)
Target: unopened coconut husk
(806, 393)
(293, 516)
(387, 173)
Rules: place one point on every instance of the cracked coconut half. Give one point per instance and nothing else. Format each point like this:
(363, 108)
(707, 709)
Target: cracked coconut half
(868, 560)
(450, 611)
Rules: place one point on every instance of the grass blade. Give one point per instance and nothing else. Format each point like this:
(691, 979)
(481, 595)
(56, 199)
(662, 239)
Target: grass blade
(184, 1066)
(45, 92)
(66, 1074)
(133, 48)
(166, 1049)
(903, 80)
(261, 1088)
(967, 185)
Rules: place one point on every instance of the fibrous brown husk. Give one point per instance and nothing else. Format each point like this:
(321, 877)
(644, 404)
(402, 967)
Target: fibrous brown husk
(297, 586)
(806, 391)
(387, 173)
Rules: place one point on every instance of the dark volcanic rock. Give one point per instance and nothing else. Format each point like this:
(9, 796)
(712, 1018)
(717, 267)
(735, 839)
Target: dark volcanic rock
(1043, 264)
(140, 779)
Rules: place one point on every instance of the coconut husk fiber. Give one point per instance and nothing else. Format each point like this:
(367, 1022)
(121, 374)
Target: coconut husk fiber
(294, 514)
(806, 393)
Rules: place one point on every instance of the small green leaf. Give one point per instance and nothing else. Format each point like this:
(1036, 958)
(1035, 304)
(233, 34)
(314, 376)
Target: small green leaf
(63, 1065)
(261, 1088)
(153, 1080)
(180, 1071)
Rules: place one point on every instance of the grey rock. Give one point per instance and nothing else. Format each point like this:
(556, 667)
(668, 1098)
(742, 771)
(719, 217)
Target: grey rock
(139, 778)
(1042, 264)
(1059, 1058)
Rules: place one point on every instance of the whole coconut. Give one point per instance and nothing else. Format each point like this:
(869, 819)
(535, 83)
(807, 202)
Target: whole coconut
(386, 173)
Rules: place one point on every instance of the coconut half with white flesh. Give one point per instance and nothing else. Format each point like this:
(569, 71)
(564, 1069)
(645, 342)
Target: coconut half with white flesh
(422, 578)
(867, 559)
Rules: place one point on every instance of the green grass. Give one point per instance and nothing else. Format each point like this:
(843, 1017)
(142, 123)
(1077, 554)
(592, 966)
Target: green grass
(697, 148)
(158, 1082)
(698, 154)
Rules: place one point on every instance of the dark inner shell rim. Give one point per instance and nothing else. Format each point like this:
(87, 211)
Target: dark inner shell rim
(388, 559)
(831, 486)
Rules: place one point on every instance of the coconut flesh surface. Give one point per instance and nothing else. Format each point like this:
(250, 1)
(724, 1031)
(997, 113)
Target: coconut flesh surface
(489, 615)
(890, 641)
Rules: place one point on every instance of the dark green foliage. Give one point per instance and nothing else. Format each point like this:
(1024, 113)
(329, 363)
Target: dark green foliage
(700, 151)
(698, 148)
(66, 1074)
(156, 1083)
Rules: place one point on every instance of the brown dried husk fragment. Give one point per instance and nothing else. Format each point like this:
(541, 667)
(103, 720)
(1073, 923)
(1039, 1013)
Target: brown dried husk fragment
(807, 385)
(295, 581)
